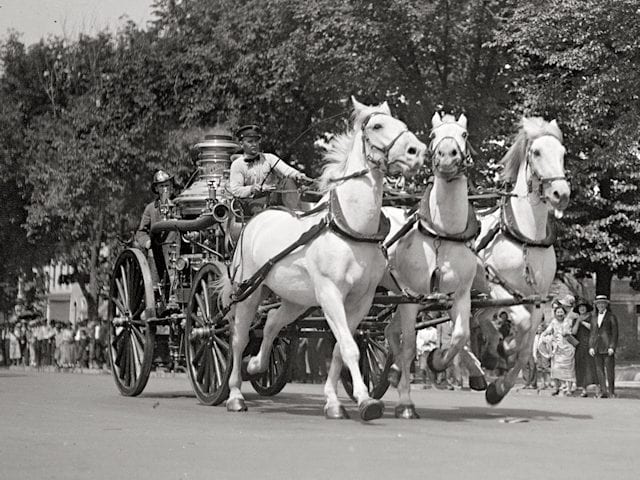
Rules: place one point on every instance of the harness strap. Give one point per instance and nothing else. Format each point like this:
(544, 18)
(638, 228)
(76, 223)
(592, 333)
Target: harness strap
(488, 237)
(413, 218)
(247, 287)
(510, 229)
(339, 225)
(427, 227)
(318, 208)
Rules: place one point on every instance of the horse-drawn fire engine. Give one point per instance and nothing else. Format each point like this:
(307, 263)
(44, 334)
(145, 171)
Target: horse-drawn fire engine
(167, 312)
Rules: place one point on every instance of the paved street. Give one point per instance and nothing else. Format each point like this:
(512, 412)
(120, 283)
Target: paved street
(64, 425)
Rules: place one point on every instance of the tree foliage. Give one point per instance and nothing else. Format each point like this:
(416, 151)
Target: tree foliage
(83, 124)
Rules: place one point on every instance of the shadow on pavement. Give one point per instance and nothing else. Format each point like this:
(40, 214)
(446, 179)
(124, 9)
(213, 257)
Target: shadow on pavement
(168, 395)
(312, 405)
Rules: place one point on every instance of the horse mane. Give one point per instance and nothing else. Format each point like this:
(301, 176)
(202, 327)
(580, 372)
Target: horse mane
(339, 147)
(530, 129)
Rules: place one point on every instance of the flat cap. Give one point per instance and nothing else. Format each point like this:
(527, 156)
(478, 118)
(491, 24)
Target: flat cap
(249, 131)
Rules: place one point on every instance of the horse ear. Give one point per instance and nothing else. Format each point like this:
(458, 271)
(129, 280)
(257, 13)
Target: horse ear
(356, 104)
(462, 121)
(554, 123)
(385, 108)
(436, 121)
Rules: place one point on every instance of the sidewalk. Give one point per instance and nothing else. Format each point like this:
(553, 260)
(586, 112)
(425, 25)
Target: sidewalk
(628, 373)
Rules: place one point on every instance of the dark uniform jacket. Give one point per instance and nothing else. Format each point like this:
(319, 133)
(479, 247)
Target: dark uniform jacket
(160, 243)
(606, 336)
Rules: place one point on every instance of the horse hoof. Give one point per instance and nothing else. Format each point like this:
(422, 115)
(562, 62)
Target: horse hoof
(477, 383)
(335, 412)
(244, 370)
(431, 360)
(371, 409)
(394, 376)
(407, 412)
(236, 405)
(492, 395)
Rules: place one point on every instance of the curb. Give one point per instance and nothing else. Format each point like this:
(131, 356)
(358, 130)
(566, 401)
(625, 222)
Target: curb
(87, 371)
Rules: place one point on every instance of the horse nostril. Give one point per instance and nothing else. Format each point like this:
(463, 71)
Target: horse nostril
(454, 153)
(411, 151)
(556, 195)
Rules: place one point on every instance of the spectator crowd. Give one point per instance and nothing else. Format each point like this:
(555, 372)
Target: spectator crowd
(572, 351)
(41, 343)
(576, 349)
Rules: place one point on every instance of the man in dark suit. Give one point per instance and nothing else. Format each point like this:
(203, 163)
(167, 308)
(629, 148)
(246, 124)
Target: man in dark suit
(603, 342)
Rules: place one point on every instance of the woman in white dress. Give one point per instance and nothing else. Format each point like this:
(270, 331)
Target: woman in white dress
(563, 358)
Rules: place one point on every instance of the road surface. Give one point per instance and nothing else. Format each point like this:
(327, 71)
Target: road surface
(75, 426)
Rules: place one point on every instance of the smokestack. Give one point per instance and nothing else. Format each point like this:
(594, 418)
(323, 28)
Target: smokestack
(213, 160)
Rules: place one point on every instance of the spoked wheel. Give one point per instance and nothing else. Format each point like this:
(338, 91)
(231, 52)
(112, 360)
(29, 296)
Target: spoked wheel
(207, 344)
(375, 361)
(131, 339)
(275, 378)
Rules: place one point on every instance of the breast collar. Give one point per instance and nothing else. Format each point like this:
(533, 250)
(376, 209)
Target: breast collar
(338, 223)
(427, 227)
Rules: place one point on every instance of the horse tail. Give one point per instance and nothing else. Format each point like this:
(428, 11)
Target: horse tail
(223, 287)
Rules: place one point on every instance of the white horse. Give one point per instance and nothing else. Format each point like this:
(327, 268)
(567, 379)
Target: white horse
(434, 257)
(521, 252)
(337, 270)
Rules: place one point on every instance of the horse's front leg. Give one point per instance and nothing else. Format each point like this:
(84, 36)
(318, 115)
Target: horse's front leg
(460, 312)
(332, 301)
(525, 323)
(278, 318)
(244, 314)
(408, 313)
(472, 364)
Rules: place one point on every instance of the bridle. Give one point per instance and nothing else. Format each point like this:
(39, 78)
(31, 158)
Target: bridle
(535, 174)
(464, 162)
(380, 164)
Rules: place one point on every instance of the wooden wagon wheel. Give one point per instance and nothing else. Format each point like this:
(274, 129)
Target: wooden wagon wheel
(275, 378)
(207, 344)
(375, 361)
(131, 338)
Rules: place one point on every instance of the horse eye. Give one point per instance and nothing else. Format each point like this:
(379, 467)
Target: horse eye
(536, 152)
(377, 126)
(432, 135)
(464, 134)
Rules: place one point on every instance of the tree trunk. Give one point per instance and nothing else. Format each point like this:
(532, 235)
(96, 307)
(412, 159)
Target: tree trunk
(90, 289)
(603, 280)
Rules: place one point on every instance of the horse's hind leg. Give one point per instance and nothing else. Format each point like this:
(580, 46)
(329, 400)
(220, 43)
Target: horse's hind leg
(333, 409)
(244, 314)
(277, 318)
(392, 334)
(408, 313)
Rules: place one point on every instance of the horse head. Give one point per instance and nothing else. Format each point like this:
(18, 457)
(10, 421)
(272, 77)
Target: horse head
(386, 142)
(449, 150)
(540, 151)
